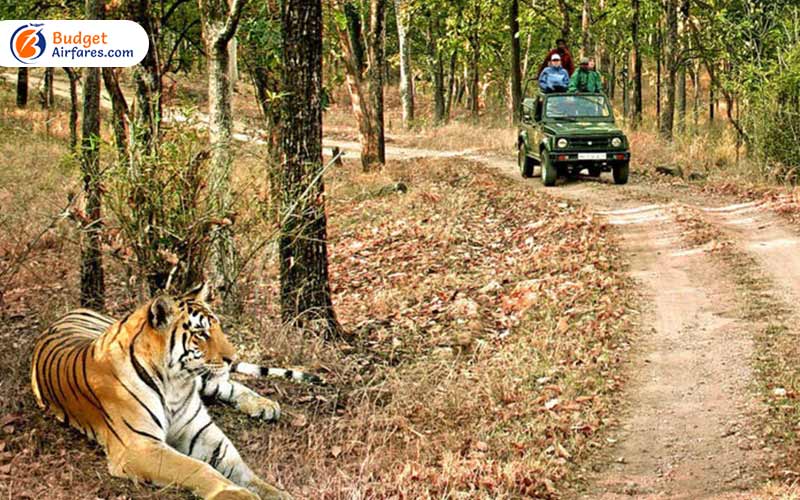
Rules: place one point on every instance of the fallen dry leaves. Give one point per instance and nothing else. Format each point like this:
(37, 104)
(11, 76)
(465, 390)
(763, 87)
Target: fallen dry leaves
(495, 319)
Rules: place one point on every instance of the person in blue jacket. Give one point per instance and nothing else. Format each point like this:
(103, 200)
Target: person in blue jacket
(554, 78)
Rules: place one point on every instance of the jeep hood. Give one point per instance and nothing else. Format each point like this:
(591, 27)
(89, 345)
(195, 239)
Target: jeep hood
(581, 128)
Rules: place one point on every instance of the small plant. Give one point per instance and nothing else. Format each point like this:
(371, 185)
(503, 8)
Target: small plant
(165, 221)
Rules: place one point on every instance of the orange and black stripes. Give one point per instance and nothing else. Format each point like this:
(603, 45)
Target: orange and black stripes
(59, 372)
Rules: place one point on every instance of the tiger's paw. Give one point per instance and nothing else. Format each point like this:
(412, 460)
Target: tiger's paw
(259, 407)
(234, 493)
(268, 492)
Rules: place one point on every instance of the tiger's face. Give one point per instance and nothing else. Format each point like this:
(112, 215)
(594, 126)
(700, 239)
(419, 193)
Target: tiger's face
(196, 343)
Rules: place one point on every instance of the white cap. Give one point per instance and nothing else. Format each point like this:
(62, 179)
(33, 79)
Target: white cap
(555, 57)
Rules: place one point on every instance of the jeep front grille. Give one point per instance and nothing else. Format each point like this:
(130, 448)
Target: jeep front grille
(590, 142)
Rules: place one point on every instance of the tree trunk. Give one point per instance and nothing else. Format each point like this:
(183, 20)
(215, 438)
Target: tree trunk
(602, 58)
(406, 77)
(451, 84)
(474, 75)
(586, 14)
(612, 79)
(305, 289)
(266, 81)
(681, 90)
(695, 96)
(671, 61)
(22, 87)
(712, 99)
(119, 112)
(375, 72)
(626, 105)
(352, 45)
(461, 89)
(435, 54)
(233, 57)
(219, 22)
(730, 101)
(149, 86)
(566, 28)
(681, 64)
(516, 75)
(440, 95)
(92, 280)
(73, 107)
(658, 77)
(527, 56)
(48, 96)
(637, 66)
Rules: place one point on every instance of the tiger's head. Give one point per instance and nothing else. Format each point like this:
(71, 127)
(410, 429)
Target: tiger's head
(193, 340)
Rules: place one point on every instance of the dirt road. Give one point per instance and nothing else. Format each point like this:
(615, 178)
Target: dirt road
(686, 432)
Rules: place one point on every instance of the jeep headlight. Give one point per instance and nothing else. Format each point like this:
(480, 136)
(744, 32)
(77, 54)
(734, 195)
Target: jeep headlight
(562, 143)
(616, 142)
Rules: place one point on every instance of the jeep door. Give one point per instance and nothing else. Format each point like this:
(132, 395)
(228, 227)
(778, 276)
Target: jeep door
(536, 134)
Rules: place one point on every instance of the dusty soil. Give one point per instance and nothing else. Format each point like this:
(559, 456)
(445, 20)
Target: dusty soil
(688, 432)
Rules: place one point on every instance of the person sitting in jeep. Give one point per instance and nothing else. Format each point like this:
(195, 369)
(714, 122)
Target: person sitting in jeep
(586, 79)
(554, 78)
(563, 52)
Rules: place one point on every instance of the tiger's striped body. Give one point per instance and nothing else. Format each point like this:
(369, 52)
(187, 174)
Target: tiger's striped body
(135, 387)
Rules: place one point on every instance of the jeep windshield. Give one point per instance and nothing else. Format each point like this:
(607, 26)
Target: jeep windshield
(577, 107)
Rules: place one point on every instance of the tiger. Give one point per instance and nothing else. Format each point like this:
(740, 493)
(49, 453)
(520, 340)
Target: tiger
(136, 386)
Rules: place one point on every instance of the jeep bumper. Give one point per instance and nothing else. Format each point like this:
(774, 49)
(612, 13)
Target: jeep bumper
(589, 157)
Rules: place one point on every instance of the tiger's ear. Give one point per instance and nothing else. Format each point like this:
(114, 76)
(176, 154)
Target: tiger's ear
(200, 293)
(161, 313)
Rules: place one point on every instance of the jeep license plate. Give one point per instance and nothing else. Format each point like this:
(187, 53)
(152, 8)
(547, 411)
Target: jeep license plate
(591, 156)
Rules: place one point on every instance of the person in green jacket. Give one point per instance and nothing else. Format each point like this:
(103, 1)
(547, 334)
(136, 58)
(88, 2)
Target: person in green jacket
(585, 79)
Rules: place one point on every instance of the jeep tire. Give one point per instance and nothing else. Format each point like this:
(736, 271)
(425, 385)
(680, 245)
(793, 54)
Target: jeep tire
(525, 163)
(621, 173)
(549, 172)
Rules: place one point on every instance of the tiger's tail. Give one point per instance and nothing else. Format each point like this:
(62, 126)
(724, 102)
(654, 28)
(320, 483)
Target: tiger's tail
(265, 371)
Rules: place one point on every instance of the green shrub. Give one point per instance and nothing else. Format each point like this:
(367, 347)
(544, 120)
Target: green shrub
(163, 222)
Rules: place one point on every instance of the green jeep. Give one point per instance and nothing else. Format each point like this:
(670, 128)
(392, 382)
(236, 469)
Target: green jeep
(566, 133)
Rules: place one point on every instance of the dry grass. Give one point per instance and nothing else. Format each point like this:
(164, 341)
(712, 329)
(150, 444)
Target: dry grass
(488, 348)
(712, 152)
(462, 136)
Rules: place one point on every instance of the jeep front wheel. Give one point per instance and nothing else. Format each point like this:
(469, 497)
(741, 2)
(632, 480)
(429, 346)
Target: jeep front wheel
(525, 163)
(549, 172)
(621, 173)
